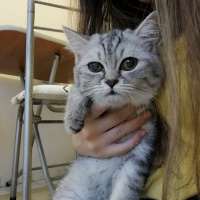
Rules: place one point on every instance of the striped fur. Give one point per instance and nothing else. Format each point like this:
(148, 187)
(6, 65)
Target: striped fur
(123, 177)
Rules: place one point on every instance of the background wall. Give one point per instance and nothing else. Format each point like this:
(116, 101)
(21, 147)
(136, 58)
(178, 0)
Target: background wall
(57, 144)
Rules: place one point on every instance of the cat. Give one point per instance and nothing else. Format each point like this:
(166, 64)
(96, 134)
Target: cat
(113, 69)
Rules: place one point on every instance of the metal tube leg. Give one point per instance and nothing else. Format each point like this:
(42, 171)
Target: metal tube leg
(16, 154)
(20, 173)
(43, 159)
(54, 69)
(26, 195)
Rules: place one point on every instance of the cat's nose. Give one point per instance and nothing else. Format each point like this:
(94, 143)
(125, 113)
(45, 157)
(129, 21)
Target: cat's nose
(111, 83)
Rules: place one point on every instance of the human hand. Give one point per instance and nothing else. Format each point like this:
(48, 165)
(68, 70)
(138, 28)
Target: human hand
(99, 135)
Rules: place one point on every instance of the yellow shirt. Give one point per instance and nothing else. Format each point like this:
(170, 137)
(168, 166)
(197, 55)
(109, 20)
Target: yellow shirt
(183, 186)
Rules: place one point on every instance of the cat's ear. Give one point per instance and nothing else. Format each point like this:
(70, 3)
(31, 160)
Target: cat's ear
(148, 30)
(76, 41)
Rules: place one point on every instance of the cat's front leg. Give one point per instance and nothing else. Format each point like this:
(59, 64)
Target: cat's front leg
(76, 110)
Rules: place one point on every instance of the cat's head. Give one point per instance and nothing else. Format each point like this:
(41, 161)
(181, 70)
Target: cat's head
(118, 67)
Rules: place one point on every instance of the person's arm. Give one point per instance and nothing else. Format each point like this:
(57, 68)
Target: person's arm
(100, 133)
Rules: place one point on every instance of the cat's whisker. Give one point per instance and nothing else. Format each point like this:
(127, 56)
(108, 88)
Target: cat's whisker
(133, 100)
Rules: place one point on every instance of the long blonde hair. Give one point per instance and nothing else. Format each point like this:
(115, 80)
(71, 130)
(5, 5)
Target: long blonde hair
(181, 18)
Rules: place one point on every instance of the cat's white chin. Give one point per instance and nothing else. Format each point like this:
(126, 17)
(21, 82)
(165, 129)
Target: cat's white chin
(111, 100)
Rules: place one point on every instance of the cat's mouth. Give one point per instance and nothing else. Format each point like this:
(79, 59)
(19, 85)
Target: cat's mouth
(112, 93)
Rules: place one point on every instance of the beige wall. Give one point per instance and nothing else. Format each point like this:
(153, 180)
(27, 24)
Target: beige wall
(14, 13)
(57, 144)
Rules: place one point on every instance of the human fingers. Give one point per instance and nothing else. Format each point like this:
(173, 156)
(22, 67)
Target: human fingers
(118, 149)
(98, 150)
(126, 127)
(93, 128)
(92, 141)
(104, 145)
(114, 118)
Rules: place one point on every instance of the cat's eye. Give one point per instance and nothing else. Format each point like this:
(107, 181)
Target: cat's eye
(95, 67)
(128, 63)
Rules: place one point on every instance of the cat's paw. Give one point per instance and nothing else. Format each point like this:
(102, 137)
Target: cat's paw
(73, 126)
(76, 110)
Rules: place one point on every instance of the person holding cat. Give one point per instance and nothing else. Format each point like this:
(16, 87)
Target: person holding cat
(179, 176)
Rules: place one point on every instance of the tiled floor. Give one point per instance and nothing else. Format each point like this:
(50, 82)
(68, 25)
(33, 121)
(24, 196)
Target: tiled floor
(39, 191)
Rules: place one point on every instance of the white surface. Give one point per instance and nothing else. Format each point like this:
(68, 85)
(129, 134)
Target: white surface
(57, 92)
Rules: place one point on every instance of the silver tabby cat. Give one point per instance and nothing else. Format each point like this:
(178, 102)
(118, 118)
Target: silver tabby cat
(112, 69)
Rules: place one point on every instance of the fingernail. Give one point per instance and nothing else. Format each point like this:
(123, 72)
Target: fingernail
(142, 133)
(147, 114)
